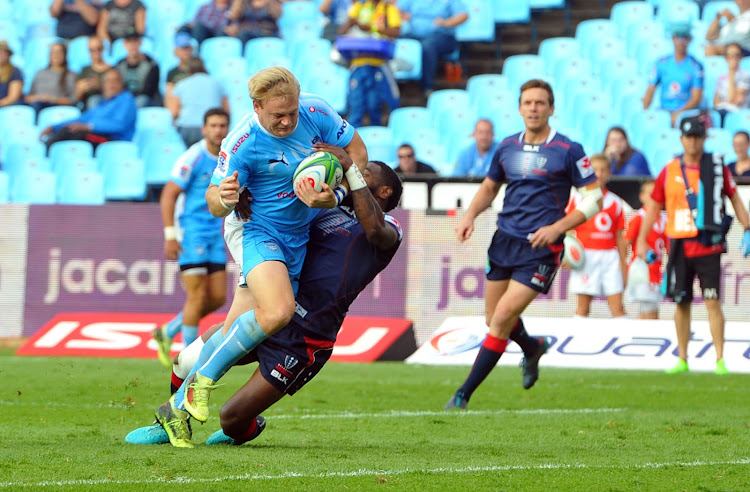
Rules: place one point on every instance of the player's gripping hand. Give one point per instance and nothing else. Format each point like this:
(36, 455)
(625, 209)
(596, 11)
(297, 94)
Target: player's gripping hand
(242, 209)
(464, 229)
(339, 152)
(229, 189)
(313, 199)
(745, 244)
(544, 236)
(172, 249)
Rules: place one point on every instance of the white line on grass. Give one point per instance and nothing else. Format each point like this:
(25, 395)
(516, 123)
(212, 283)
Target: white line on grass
(377, 473)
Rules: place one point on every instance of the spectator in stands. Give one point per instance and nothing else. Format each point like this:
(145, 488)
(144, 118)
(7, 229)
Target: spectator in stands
(209, 21)
(140, 72)
(252, 19)
(372, 84)
(119, 17)
(89, 83)
(624, 159)
(474, 160)
(112, 119)
(337, 13)
(732, 87)
(11, 79)
(54, 85)
(680, 76)
(433, 24)
(75, 17)
(408, 163)
(191, 98)
(183, 50)
(735, 30)
(601, 236)
(741, 144)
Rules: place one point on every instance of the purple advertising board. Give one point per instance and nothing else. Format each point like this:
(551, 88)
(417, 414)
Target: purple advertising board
(111, 259)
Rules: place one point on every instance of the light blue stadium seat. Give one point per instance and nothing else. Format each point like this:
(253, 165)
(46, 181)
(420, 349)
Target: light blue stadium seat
(498, 100)
(737, 121)
(15, 152)
(625, 14)
(41, 29)
(22, 134)
(434, 155)
(332, 85)
(266, 52)
(301, 51)
(409, 50)
(571, 68)
(81, 188)
(405, 121)
(712, 8)
(454, 123)
(232, 65)
(40, 188)
(551, 50)
(234, 81)
(153, 117)
(60, 152)
(592, 31)
(380, 143)
(570, 88)
(649, 51)
(16, 115)
(75, 165)
(239, 104)
(677, 13)
(298, 11)
(719, 141)
(663, 138)
(713, 68)
(20, 168)
(163, 13)
(511, 11)
(520, 68)
(146, 137)
(35, 57)
(447, 98)
(419, 136)
(302, 31)
(618, 68)
(56, 114)
(607, 49)
(78, 53)
(482, 84)
(115, 151)
(160, 159)
(124, 178)
(658, 158)
(507, 122)
(594, 126)
(645, 123)
(480, 26)
(647, 30)
(4, 187)
(214, 50)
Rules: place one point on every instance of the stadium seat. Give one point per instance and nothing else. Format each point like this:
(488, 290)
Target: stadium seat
(78, 53)
(125, 178)
(637, 32)
(625, 14)
(663, 138)
(231, 65)
(594, 126)
(56, 114)
(160, 159)
(454, 124)
(435, 155)
(59, 152)
(380, 143)
(551, 50)
(615, 69)
(40, 188)
(592, 31)
(498, 100)
(511, 12)
(4, 187)
(570, 68)
(649, 51)
(658, 158)
(607, 49)
(153, 117)
(147, 137)
(479, 86)
(410, 51)
(712, 8)
(480, 27)
(35, 57)
(265, 52)
(570, 88)
(737, 121)
(447, 98)
(507, 122)
(214, 50)
(648, 122)
(16, 115)
(520, 68)
(162, 14)
(114, 151)
(719, 141)
(419, 137)
(14, 153)
(300, 52)
(302, 31)
(405, 121)
(296, 11)
(42, 28)
(677, 13)
(81, 188)
(75, 165)
(19, 134)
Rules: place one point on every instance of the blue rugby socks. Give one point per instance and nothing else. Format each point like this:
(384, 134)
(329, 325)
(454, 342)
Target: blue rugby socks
(189, 334)
(173, 326)
(244, 335)
(490, 352)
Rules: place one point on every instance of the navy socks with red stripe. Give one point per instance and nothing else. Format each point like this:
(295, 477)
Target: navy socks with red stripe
(490, 352)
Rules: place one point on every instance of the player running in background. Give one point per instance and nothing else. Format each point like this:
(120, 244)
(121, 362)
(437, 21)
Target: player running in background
(348, 247)
(648, 294)
(193, 236)
(540, 166)
(601, 236)
(262, 153)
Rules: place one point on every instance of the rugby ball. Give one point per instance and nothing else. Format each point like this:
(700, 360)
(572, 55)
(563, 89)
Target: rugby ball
(319, 168)
(574, 253)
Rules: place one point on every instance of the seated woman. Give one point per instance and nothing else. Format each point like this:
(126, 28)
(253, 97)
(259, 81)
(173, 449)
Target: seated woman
(54, 85)
(11, 80)
(624, 159)
(732, 87)
(741, 143)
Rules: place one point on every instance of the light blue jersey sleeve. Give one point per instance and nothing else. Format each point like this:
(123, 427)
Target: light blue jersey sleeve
(229, 161)
(184, 165)
(334, 129)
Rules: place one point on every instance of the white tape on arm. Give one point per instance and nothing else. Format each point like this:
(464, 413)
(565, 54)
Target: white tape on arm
(170, 233)
(355, 178)
(224, 204)
(589, 204)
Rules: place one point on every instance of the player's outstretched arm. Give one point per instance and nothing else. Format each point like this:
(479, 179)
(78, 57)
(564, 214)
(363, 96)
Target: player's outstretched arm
(357, 150)
(590, 204)
(481, 201)
(167, 202)
(222, 199)
(742, 216)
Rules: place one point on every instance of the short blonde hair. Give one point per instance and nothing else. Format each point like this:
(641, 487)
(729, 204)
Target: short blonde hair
(273, 82)
(599, 157)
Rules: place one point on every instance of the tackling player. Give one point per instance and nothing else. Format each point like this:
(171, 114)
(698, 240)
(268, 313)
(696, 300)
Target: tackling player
(540, 166)
(193, 236)
(348, 247)
(262, 153)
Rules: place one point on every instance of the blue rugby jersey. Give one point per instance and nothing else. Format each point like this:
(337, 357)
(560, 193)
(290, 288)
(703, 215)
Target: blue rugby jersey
(539, 178)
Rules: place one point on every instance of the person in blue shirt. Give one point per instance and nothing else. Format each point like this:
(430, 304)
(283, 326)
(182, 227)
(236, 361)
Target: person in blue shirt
(193, 236)
(475, 159)
(434, 25)
(539, 166)
(341, 261)
(624, 160)
(261, 153)
(112, 119)
(680, 77)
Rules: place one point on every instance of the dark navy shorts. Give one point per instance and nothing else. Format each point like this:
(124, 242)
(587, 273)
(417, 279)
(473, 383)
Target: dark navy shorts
(512, 258)
(289, 360)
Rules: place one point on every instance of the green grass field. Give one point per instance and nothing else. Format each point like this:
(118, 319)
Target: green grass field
(381, 427)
